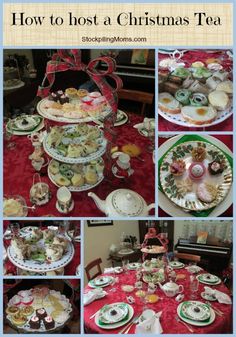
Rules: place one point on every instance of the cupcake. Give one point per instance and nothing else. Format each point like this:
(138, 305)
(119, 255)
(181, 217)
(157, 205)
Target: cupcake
(12, 310)
(196, 171)
(49, 322)
(82, 93)
(41, 313)
(27, 311)
(34, 322)
(71, 92)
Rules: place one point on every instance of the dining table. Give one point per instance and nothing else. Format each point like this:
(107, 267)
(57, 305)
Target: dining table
(18, 173)
(228, 141)
(189, 57)
(166, 305)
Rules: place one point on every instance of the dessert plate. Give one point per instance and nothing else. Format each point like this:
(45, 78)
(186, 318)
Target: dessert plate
(16, 126)
(176, 265)
(196, 323)
(44, 112)
(35, 265)
(107, 281)
(121, 119)
(209, 279)
(183, 203)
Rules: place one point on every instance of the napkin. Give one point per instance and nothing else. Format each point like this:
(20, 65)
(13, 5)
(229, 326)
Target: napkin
(148, 123)
(219, 295)
(193, 269)
(111, 270)
(150, 325)
(93, 295)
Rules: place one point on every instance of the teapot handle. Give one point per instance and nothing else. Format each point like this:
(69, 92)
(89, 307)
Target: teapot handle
(181, 289)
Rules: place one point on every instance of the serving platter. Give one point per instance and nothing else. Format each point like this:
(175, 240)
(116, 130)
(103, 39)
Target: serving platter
(66, 141)
(171, 208)
(56, 305)
(85, 185)
(44, 112)
(39, 265)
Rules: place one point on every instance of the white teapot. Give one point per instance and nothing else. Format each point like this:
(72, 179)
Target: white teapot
(171, 289)
(122, 202)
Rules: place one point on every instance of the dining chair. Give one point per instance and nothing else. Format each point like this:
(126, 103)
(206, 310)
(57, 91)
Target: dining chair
(136, 96)
(188, 257)
(93, 264)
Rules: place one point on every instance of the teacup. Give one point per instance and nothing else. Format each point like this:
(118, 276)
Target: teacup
(138, 284)
(64, 200)
(151, 288)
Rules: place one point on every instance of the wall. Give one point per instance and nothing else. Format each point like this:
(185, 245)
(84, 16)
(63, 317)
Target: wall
(97, 240)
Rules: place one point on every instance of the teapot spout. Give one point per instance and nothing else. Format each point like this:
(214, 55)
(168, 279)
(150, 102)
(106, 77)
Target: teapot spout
(151, 206)
(99, 203)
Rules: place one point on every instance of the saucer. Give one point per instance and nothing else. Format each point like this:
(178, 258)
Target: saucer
(70, 209)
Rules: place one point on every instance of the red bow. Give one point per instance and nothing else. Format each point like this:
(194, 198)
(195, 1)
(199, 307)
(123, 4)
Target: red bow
(70, 59)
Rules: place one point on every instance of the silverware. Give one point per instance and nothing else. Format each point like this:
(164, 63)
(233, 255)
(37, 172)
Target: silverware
(94, 314)
(135, 321)
(128, 325)
(217, 311)
(185, 324)
(139, 158)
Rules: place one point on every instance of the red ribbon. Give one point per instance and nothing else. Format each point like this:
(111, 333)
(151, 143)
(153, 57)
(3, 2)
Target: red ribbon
(70, 59)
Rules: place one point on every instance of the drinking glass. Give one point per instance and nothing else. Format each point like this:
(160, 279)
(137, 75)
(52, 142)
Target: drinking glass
(125, 263)
(15, 229)
(193, 287)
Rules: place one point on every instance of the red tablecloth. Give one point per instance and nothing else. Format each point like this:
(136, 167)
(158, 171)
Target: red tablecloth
(70, 269)
(18, 175)
(189, 57)
(228, 141)
(167, 305)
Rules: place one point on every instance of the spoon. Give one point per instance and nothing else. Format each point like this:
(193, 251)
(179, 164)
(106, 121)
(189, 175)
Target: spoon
(185, 324)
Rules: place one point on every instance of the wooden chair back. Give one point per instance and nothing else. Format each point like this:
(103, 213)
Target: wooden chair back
(188, 257)
(93, 264)
(136, 96)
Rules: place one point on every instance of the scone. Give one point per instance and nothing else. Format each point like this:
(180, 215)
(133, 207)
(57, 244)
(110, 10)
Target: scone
(226, 86)
(167, 103)
(218, 99)
(77, 180)
(91, 178)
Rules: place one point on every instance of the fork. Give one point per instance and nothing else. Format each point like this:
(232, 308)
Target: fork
(185, 324)
(128, 326)
(217, 311)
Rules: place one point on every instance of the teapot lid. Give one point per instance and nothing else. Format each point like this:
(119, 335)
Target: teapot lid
(127, 202)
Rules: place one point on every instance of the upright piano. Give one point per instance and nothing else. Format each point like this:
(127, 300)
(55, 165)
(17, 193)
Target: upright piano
(215, 254)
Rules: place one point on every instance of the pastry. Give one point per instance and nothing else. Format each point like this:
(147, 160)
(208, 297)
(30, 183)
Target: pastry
(182, 95)
(198, 99)
(216, 167)
(34, 322)
(201, 72)
(226, 86)
(18, 319)
(184, 186)
(36, 235)
(197, 64)
(177, 167)
(181, 72)
(54, 252)
(64, 99)
(49, 322)
(206, 192)
(196, 171)
(55, 136)
(75, 151)
(48, 235)
(15, 300)
(27, 311)
(71, 92)
(41, 313)
(95, 94)
(199, 154)
(212, 83)
(27, 300)
(12, 310)
(221, 75)
(61, 180)
(89, 147)
(218, 99)
(199, 115)
(12, 207)
(59, 240)
(196, 86)
(91, 177)
(167, 103)
(77, 180)
(82, 93)
(22, 249)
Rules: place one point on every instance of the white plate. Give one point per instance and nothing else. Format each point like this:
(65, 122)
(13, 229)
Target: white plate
(173, 210)
(208, 297)
(179, 120)
(92, 285)
(134, 265)
(72, 188)
(125, 251)
(117, 123)
(208, 283)
(36, 266)
(115, 325)
(17, 86)
(196, 323)
(25, 133)
(80, 160)
(176, 265)
(44, 112)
